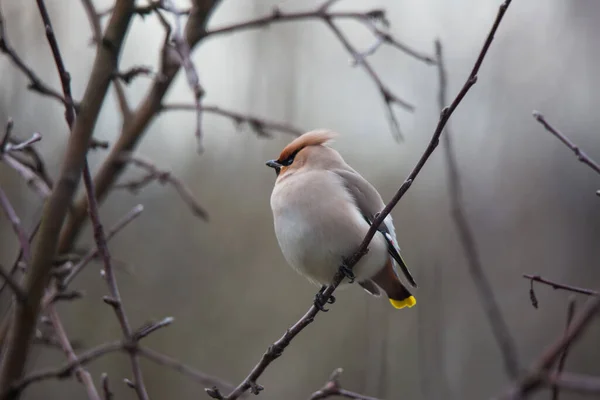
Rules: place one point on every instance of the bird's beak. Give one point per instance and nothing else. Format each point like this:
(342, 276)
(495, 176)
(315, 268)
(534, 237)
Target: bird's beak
(273, 164)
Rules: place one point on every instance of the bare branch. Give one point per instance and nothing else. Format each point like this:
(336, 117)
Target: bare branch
(563, 356)
(581, 156)
(574, 382)
(333, 388)
(277, 348)
(322, 13)
(164, 360)
(260, 126)
(388, 97)
(534, 380)
(99, 235)
(35, 83)
(491, 309)
(182, 49)
(94, 18)
(63, 371)
(36, 137)
(84, 377)
(561, 286)
(163, 177)
(57, 205)
(33, 180)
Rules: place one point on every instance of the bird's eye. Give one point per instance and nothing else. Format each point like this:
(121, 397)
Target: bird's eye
(288, 161)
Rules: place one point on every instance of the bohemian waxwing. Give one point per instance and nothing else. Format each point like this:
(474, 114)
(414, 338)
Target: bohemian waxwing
(322, 210)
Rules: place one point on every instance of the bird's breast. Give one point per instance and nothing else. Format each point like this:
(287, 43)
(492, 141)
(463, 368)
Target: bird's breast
(317, 224)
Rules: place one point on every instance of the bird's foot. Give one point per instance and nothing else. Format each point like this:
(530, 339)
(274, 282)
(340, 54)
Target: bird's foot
(347, 271)
(320, 300)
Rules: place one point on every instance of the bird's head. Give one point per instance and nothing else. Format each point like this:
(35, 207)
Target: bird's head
(308, 149)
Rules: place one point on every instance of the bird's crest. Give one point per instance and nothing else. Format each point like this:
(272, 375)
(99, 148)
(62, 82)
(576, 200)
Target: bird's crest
(312, 138)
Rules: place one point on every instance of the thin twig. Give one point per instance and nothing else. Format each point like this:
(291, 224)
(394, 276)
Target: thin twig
(500, 330)
(15, 221)
(182, 48)
(119, 225)
(561, 286)
(36, 137)
(84, 377)
(33, 180)
(94, 19)
(333, 388)
(35, 83)
(563, 356)
(322, 13)
(163, 177)
(277, 348)
(198, 376)
(65, 370)
(580, 154)
(260, 126)
(388, 97)
(576, 383)
(539, 371)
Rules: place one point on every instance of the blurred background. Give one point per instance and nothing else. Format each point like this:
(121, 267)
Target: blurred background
(531, 204)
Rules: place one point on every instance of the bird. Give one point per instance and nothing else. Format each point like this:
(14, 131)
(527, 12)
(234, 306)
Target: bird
(322, 209)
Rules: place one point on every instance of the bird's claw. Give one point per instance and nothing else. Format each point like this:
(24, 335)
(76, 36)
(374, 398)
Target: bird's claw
(320, 300)
(347, 271)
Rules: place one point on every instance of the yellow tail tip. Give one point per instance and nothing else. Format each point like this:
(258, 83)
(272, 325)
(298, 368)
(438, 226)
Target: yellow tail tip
(408, 302)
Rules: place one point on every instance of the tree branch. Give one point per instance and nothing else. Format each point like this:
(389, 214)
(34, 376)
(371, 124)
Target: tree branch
(63, 371)
(333, 388)
(563, 356)
(580, 154)
(163, 177)
(23, 240)
(536, 378)
(99, 235)
(84, 377)
(35, 83)
(277, 348)
(55, 210)
(561, 286)
(260, 126)
(466, 237)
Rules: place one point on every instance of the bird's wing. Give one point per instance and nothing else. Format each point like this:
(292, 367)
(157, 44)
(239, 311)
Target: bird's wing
(369, 202)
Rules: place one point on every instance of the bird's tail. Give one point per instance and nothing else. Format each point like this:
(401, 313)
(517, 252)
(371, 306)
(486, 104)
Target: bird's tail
(398, 294)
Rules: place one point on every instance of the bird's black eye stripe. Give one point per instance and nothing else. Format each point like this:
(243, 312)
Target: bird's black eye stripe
(288, 161)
